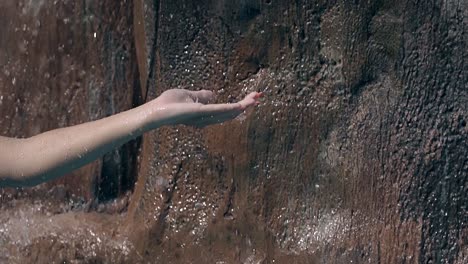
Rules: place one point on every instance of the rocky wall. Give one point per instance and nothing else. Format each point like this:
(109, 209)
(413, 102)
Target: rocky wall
(63, 63)
(357, 153)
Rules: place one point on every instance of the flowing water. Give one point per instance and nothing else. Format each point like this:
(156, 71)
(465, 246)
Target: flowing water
(356, 154)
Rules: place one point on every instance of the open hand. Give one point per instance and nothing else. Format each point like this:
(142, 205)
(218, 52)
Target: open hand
(55, 153)
(179, 106)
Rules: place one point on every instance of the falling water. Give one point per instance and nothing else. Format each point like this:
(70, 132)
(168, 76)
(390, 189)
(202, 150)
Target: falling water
(357, 152)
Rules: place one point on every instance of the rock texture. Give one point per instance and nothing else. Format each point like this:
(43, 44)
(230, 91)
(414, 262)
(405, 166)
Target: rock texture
(63, 63)
(357, 153)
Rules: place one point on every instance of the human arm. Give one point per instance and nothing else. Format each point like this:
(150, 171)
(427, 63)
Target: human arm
(34, 160)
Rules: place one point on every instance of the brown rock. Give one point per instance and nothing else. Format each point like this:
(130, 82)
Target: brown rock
(357, 153)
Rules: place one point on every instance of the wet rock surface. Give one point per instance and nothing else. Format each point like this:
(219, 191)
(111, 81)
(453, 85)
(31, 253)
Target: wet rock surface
(64, 63)
(357, 153)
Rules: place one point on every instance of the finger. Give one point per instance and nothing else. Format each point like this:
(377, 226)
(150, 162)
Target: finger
(215, 109)
(218, 113)
(219, 117)
(250, 99)
(202, 96)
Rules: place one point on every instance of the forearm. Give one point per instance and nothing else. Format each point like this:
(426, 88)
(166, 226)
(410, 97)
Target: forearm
(31, 161)
(51, 154)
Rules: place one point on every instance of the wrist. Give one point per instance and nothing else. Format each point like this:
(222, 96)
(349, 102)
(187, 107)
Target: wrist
(147, 117)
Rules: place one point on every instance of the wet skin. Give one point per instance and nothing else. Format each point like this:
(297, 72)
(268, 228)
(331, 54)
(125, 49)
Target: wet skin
(41, 158)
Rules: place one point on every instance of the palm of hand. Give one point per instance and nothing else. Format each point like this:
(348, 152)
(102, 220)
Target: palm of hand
(179, 106)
